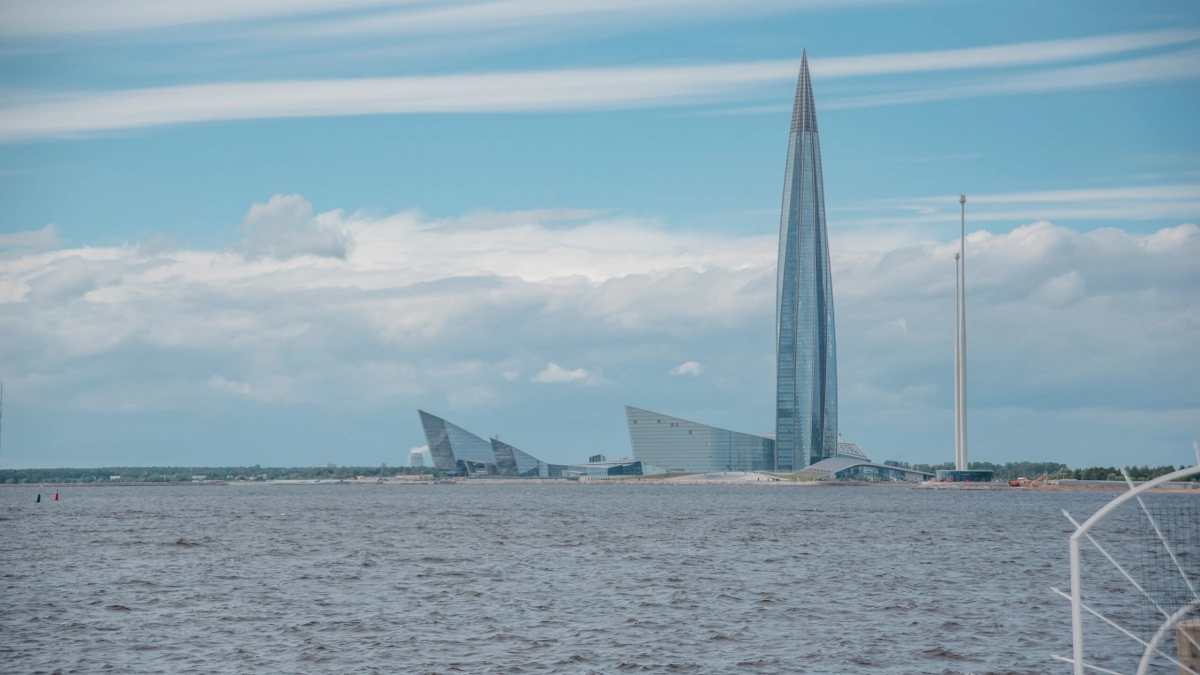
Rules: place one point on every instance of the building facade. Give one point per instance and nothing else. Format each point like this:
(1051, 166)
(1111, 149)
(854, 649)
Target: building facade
(681, 446)
(806, 353)
(862, 469)
(454, 449)
(458, 452)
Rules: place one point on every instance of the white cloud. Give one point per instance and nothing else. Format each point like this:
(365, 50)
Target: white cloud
(894, 217)
(67, 17)
(1060, 290)
(284, 228)
(513, 14)
(228, 386)
(998, 56)
(555, 373)
(65, 114)
(46, 237)
(687, 368)
(422, 312)
(1180, 65)
(1190, 192)
(583, 89)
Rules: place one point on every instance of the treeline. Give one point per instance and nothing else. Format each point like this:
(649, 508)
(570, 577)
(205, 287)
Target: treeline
(1015, 470)
(178, 474)
(1135, 472)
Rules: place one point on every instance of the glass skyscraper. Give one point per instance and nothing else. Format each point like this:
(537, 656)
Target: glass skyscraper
(806, 376)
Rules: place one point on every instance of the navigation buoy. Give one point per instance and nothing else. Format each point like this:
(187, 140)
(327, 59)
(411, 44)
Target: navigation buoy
(55, 496)
(39, 499)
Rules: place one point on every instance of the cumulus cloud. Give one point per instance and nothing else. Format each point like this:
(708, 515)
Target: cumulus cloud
(555, 373)
(47, 237)
(284, 228)
(417, 314)
(687, 368)
(1060, 290)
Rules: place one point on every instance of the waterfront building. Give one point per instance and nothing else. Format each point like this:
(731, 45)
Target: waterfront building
(806, 353)
(613, 468)
(854, 468)
(458, 452)
(851, 450)
(682, 446)
(968, 476)
(455, 450)
(513, 462)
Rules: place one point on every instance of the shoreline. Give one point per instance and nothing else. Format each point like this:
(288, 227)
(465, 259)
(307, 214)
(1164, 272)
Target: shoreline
(1186, 488)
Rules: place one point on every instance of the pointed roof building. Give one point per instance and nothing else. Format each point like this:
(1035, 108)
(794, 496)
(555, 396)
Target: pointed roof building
(806, 353)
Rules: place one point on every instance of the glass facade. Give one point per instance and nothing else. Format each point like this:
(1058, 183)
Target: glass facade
(977, 476)
(848, 449)
(680, 446)
(619, 467)
(456, 450)
(854, 468)
(873, 473)
(513, 462)
(806, 359)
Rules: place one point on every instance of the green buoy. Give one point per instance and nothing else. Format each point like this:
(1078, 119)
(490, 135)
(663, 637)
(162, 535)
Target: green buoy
(39, 499)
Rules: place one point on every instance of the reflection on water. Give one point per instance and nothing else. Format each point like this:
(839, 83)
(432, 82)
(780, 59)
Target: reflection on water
(534, 579)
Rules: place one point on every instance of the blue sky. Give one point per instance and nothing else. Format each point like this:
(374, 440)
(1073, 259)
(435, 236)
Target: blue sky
(266, 232)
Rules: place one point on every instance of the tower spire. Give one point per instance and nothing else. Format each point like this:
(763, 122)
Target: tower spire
(804, 110)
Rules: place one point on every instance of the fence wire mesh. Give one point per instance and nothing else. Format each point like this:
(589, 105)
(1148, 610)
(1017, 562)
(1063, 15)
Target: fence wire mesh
(1170, 568)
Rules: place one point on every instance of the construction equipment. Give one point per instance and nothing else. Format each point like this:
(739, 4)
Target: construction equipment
(1041, 480)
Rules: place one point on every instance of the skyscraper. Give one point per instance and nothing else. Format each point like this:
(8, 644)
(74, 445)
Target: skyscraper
(806, 354)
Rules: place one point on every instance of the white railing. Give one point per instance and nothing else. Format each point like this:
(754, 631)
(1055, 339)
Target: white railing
(1083, 531)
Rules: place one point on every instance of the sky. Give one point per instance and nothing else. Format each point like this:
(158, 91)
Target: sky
(268, 232)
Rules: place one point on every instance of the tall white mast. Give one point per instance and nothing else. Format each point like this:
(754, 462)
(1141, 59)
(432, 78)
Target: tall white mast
(957, 381)
(961, 460)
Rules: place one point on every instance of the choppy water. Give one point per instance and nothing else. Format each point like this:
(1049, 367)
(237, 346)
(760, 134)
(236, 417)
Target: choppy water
(533, 579)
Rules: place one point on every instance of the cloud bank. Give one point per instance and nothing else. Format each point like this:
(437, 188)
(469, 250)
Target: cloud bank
(476, 314)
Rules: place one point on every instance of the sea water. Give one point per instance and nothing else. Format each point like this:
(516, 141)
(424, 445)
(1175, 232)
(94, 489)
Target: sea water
(556, 578)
